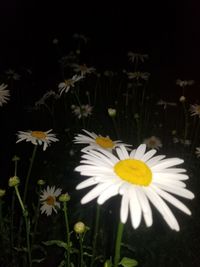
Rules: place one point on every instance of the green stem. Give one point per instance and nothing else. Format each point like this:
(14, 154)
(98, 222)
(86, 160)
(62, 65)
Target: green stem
(25, 214)
(68, 233)
(118, 244)
(29, 172)
(37, 213)
(81, 249)
(96, 228)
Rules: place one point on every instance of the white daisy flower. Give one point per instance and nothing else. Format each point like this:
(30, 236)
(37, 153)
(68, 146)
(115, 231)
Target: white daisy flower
(138, 75)
(197, 152)
(37, 137)
(4, 94)
(195, 110)
(184, 83)
(136, 57)
(83, 69)
(140, 178)
(48, 200)
(83, 111)
(67, 84)
(96, 141)
(153, 142)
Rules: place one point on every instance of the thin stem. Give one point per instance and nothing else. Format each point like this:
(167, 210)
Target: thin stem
(12, 225)
(29, 172)
(68, 233)
(25, 214)
(96, 228)
(81, 249)
(118, 244)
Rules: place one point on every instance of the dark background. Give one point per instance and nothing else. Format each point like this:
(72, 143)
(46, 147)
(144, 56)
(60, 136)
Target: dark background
(167, 30)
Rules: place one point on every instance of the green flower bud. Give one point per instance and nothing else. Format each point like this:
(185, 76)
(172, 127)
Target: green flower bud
(64, 197)
(112, 112)
(15, 158)
(13, 181)
(2, 192)
(79, 227)
(41, 182)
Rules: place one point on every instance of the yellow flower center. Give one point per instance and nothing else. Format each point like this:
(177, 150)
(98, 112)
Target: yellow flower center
(39, 134)
(133, 171)
(104, 142)
(50, 200)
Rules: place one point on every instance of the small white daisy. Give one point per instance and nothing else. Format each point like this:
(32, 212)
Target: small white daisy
(136, 57)
(48, 200)
(195, 110)
(83, 111)
(13, 75)
(197, 152)
(67, 84)
(37, 137)
(96, 141)
(140, 178)
(153, 142)
(83, 69)
(4, 94)
(184, 83)
(138, 75)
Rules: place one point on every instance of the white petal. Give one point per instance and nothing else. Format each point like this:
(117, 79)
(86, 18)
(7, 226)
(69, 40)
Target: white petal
(94, 193)
(132, 154)
(145, 206)
(140, 151)
(162, 208)
(167, 163)
(153, 161)
(124, 208)
(171, 176)
(178, 204)
(148, 155)
(135, 208)
(111, 191)
(86, 183)
(178, 191)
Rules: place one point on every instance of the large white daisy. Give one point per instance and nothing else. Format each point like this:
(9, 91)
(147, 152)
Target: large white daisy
(140, 178)
(48, 200)
(96, 141)
(37, 137)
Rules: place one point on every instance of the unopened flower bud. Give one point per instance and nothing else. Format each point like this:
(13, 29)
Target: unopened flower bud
(41, 182)
(64, 197)
(15, 158)
(112, 112)
(2, 192)
(13, 181)
(79, 227)
(182, 98)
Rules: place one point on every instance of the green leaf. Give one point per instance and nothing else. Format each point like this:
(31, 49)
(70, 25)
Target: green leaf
(58, 243)
(127, 262)
(62, 263)
(108, 263)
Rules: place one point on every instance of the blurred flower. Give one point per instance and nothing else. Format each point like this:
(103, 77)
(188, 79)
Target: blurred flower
(48, 200)
(13, 75)
(197, 152)
(83, 111)
(81, 37)
(55, 41)
(182, 98)
(2, 192)
(139, 178)
(138, 75)
(41, 182)
(96, 141)
(136, 57)
(37, 137)
(165, 104)
(46, 96)
(13, 181)
(184, 83)
(67, 84)
(112, 112)
(108, 73)
(186, 142)
(153, 142)
(195, 110)
(83, 69)
(4, 94)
